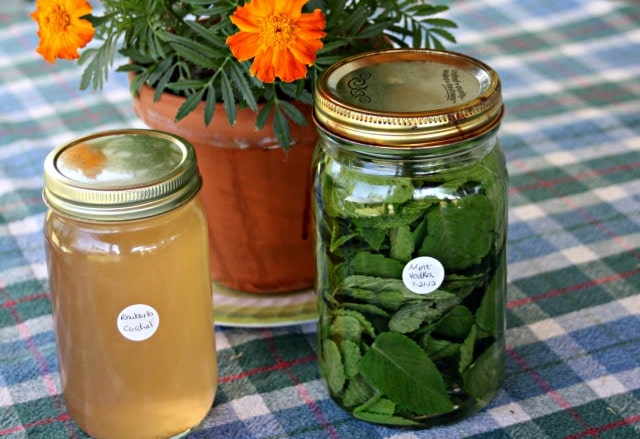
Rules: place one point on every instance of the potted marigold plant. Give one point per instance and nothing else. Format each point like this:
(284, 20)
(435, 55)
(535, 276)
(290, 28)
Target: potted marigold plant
(219, 63)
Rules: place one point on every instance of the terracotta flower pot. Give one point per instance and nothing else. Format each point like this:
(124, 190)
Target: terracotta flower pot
(256, 195)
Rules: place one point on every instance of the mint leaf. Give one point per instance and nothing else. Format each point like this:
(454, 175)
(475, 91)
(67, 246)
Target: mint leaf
(346, 327)
(483, 377)
(387, 293)
(466, 350)
(338, 240)
(459, 232)
(354, 194)
(373, 236)
(392, 216)
(357, 392)
(378, 404)
(377, 284)
(350, 358)
(491, 309)
(380, 410)
(419, 233)
(410, 316)
(367, 308)
(375, 265)
(456, 324)
(377, 418)
(401, 243)
(437, 349)
(486, 312)
(397, 367)
(367, 188)
(332, 367)
(462, 285)
(365, 326)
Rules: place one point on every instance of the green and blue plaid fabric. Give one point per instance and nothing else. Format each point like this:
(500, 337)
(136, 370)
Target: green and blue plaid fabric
(571, 78)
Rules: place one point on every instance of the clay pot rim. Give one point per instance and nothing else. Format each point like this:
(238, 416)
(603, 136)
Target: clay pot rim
(244, 132)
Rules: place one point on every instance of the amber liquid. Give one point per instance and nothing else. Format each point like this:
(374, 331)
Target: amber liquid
(115, 387)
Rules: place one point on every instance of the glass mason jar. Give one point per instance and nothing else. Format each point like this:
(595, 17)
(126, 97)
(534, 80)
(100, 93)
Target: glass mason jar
(127, 255)
(410, 218)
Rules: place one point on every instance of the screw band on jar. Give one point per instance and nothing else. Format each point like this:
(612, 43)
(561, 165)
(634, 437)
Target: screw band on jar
(121, 175)
(409, 98)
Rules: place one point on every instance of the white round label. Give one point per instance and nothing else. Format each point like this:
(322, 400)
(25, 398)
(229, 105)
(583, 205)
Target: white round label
(423, 275)
(138, 322)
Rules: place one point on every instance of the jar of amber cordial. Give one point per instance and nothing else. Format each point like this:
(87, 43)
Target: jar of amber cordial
(411, 219)
(127, 254)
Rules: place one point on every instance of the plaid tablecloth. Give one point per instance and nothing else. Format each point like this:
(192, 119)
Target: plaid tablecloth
(571, 76)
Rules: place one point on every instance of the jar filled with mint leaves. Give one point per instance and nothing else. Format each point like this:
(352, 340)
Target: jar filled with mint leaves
(410, 208)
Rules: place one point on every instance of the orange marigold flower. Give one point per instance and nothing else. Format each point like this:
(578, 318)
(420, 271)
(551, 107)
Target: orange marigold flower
(281, 39)
(61, 28)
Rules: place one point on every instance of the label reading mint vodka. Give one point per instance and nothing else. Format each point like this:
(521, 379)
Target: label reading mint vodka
(423, 275)
(138, 322)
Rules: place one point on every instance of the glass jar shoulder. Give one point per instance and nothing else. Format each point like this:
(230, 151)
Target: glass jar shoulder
(125, 237)
(355, 185)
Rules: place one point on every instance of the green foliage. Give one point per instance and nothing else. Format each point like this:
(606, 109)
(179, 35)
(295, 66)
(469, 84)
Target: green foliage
(455, 246)
(397, 366)
(333, 369)
(406, 357)
(178, 46)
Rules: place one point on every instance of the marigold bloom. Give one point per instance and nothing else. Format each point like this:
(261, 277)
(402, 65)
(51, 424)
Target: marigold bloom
(61, 28)
(281, 39)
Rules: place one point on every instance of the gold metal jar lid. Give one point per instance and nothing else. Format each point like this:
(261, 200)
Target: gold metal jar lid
(120, 175)
(408, 98)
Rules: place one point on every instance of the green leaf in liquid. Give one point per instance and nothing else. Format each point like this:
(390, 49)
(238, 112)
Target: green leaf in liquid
(346, 327)
(490, 313)
(456, 324)
(437, 349)
(483, 377)
(410, 316)
(397, 367)
(459, 232)
(366, 308)
(401, 243)
(332, 368)
(372, 264)
(466, 350)
(380, 410)
(357, 392)
(350, 358)
(354, 315)
(387, 293)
